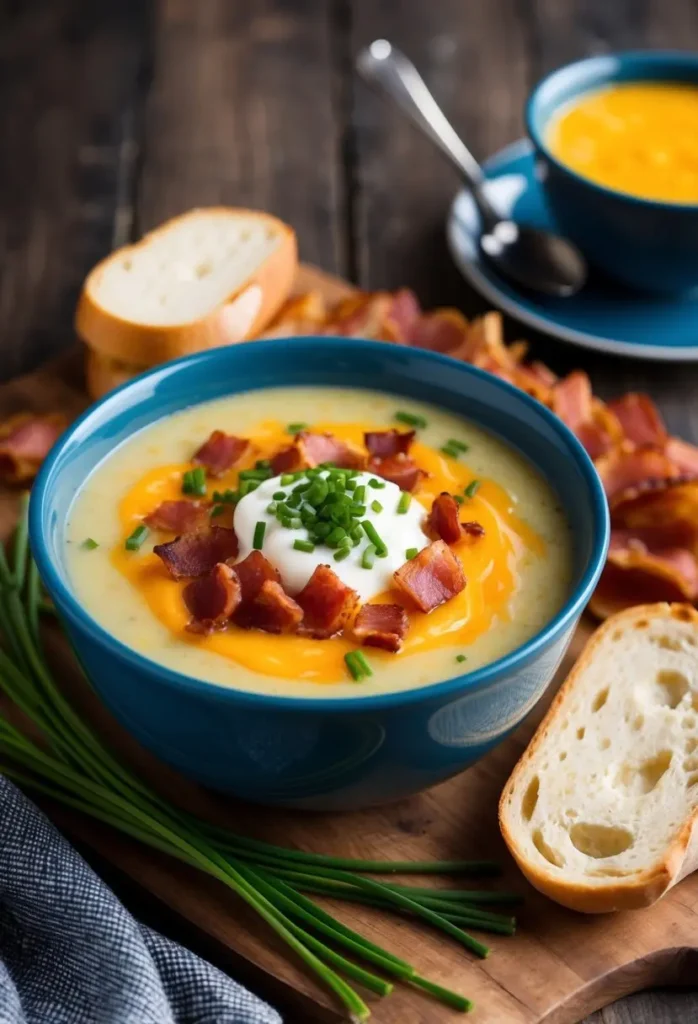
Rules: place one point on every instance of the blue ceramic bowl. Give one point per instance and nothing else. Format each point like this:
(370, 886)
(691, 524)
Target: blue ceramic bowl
(644, 243)
(318, 753)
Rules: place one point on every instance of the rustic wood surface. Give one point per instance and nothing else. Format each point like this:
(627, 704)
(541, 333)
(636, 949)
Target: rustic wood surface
(118, 114)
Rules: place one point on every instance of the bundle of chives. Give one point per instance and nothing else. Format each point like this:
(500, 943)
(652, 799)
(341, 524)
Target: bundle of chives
(79, 771)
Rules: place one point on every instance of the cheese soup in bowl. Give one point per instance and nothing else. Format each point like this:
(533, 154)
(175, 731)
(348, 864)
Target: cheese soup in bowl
(328, 592)
(616, 143)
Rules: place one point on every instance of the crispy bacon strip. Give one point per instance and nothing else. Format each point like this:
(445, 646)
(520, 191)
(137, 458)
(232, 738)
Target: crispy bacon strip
(432, 578)
(670, 506)
(310, 450)
(473, 530)
(25, 441)
(401, 318)
(443, 518)
(195, 554)
(382, 625)
(273, 611)
(572, 398)
(383, 443)
(683, 455)
(639, 419)
(326, 602)
(178, 516)
(444, 330)
(399, 469)
(626, 470)
(221, 452)
(636, 577)
(212, 599)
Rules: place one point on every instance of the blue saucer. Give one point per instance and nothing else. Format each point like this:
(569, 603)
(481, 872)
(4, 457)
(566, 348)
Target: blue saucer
(603, 315)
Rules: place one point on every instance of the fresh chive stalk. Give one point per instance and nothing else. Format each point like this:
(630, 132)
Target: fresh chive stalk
(410, 419)
(258, 537)
(404, 502)
(472, 489)
(74, 767)
(411, 553)
(89, 544)
(135, 539)
(295, 428)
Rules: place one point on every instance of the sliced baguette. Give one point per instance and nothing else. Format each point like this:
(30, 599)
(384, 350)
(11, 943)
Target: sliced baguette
(601, 812)
(209, 277)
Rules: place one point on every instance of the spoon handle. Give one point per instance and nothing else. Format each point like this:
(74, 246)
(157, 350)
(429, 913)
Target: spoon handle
(382, 64)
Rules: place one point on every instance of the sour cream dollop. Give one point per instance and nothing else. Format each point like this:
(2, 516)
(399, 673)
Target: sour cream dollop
(399, 531)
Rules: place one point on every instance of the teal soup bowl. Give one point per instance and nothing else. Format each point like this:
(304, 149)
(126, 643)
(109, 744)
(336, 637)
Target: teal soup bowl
(647, 244)
(321, 753)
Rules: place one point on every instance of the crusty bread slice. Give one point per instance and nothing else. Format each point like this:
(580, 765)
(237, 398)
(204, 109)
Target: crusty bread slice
(103, 374)
(601, 812)
(210, 277)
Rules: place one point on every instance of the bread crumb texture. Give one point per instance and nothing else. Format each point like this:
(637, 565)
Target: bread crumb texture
(610, 783)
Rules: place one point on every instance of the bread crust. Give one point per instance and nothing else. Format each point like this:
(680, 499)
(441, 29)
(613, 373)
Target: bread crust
(645, 887)
(103, 374)
(146, 345)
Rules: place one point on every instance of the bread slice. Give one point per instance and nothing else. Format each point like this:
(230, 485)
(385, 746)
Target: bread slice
(209, 277)
(601, 811)
(103, 374)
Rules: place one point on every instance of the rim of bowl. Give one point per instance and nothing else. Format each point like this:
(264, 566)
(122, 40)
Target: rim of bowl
(646, 57)
(69, 604)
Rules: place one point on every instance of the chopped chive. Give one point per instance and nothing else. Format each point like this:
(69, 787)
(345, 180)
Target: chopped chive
(459, 446)
(376, 506)
(295, 428)
(194, 481)
(217, 510)
(304, 545)
(472, 489)
(271, 508)
(335, 537)
(411, 553)
(359, 510)
(368, 557)
(279, 495)
(134, 541)
(89, 544)
(296, 523)
(287, 478)
(461, 657)
(262, 464)
(258, 538)
(373, 535)
(359, 493)
(412, 419)
(254, 474)
(458, 498)
(355, 668)
(376, 484)
(343, 553)
(404, 502)
(453, 453)
(361, 660)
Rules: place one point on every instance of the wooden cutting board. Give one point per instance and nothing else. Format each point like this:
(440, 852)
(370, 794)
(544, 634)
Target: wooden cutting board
(559, 967)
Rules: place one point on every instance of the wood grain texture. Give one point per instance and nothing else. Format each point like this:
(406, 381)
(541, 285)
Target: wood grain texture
(67, 112)
(241, 112)
(558, 967)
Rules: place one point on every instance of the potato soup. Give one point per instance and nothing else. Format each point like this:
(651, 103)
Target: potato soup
(317, 542)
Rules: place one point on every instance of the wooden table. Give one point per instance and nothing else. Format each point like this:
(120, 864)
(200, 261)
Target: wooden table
(117, 114)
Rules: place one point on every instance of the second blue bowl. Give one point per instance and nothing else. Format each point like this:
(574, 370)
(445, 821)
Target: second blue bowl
(644, 243)
(319, 753)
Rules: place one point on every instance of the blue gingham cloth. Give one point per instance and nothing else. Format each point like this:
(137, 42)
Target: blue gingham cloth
(70, 953)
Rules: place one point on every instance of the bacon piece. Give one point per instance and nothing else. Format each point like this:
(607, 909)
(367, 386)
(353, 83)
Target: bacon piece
(572, 400)
(639, 419)
(626, 470)
(683, 455)
(221, 452)
(472, 529)
(443, 518)
(382, 625)
(303, 314)
(401, 318)
(484, 346)
(310, 450)
(633, 577)
(432, 578)
(383, 443)
(195, 554)
(361, 316)
(326, 602)
(253, 572)
(25, 441)
(444, 330)
(212, 599)
(178, 516)
(398, 469)
(669, 505)
(273, 611)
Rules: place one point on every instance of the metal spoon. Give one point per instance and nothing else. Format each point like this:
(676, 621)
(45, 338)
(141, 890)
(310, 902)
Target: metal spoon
(538, 260)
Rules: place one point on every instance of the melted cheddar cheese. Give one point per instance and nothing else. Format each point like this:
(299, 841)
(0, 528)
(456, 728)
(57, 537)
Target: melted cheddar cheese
(491, 564)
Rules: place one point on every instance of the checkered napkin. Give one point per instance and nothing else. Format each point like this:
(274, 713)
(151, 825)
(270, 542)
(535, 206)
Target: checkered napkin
(71, 954)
